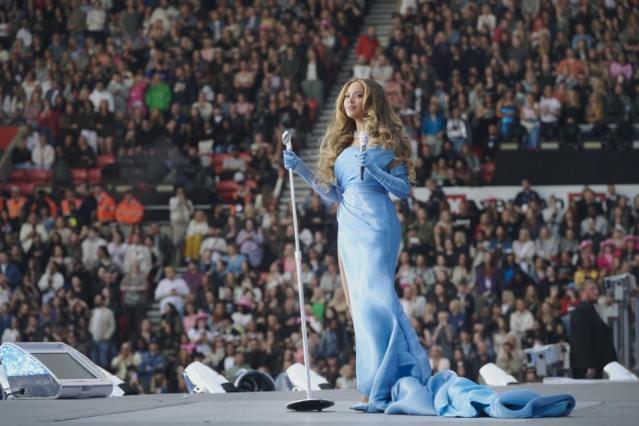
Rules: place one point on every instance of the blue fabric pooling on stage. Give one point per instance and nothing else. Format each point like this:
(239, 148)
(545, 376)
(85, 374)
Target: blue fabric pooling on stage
(392, 367)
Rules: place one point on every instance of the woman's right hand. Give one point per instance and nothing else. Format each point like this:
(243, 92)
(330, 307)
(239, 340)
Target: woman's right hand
(291, 160)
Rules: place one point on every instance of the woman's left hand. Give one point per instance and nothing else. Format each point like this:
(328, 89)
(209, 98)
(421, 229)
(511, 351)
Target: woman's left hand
(379, 159)
(362, 159)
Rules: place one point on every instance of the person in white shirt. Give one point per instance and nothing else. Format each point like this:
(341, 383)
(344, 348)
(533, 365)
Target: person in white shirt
(407, 5)
(456, 130)
(100, 94)
(521, 320)
(101, 327)
(412, 303)
(244, 313)
(171, 289)
(33, 138)
(96, 20)
(215, 244)
(201, 335)
(119, 89)
(330, 280)
(43, 155)
(546, 246)
(117, 249)
(382, 71)
(181, 209)
(361, 69)
(11, 334)
(137, 253)
(50, 282)
(90, 247)
(486, 19)
(164, 13)
(24, 34)
(524, 249)
(438, 362)
(550, 112)
(29, 230)
(202, 107)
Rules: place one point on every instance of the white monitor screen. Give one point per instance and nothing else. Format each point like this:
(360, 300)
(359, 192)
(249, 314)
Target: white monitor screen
(64, 366)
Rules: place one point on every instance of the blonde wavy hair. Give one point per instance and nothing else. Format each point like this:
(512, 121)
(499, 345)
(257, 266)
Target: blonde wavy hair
(383, 125)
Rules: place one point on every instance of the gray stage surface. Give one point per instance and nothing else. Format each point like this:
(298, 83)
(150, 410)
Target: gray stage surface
(607, 403)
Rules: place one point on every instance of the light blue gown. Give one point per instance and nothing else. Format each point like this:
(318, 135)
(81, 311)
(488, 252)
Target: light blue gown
(392, 367)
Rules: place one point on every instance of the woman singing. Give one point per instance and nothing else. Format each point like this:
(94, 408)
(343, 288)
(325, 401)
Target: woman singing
(393, 370)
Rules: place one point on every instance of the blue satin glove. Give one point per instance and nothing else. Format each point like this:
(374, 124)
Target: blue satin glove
(292, 161)
(377, 156)
(396, 182)
(295, 163)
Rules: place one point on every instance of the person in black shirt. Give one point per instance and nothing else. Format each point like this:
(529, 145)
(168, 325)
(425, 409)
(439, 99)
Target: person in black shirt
(572, 116)
(85, 158)
(526, 195)
(314, 216)
(591, 345)
(20, 154)
(588, 200)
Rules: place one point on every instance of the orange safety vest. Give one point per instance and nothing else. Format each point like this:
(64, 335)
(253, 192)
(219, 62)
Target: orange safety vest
(14, 206)
(68, 208)
(53, 208)
(129, 213)
(106, 208)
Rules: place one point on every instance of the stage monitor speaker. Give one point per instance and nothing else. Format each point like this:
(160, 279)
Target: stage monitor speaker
(253, 381)
(297, 375)
(120, 388)
(618, 373)
(50, 370)
(495, 376)
(200, 378)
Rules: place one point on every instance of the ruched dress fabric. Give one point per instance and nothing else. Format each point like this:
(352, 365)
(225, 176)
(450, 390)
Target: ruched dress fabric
(392, 367)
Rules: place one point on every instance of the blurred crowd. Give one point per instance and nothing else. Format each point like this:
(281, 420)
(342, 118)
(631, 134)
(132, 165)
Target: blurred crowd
(143, 299)
(479, 284)
(176, 82)
(468, 76)
(182, 80)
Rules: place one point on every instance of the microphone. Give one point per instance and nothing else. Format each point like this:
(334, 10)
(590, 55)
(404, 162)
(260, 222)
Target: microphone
(363, 142)
(286, 139)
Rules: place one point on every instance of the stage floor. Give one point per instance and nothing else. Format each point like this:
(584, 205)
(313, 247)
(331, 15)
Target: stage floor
(605, 403)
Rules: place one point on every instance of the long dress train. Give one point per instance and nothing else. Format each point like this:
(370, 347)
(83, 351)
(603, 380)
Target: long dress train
(392, 367)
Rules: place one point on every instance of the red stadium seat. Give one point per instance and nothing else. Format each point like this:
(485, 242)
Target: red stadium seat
(218, 163)
(41, 177)
(19, 175)
(246, 156)
(105, 160)
(79, 175)
(226, 189)
(95, 175)
(26, 188)
(226, 186)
